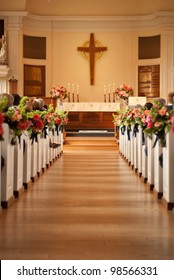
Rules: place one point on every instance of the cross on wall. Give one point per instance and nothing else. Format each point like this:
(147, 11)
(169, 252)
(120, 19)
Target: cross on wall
(92, 50)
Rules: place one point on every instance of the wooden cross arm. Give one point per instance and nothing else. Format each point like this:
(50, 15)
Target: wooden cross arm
(83, 49)
(100, 49)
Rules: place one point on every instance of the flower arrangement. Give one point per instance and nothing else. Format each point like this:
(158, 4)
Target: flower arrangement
(159, 122)
(36, 124)
(61, 118)
(58, 92)
(23, 118)
(17, 121)
(123, 92)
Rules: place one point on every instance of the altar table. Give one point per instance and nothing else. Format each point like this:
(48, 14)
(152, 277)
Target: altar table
(94, 115)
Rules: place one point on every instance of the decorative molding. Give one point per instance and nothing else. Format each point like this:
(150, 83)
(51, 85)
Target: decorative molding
(104, 23)
(160, 19)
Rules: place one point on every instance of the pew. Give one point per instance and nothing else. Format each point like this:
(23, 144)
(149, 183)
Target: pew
(18, 166)
(150, 163)
(7, 174)
(158, 171)
(168, 173)
(26, 160)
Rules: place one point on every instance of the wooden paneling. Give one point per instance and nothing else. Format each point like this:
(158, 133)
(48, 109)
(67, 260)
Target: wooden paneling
(34, 80)
(149, 81)
(90, 120)
(34, 47)
(149, 47)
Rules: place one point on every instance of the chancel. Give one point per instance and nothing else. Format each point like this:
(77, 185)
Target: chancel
(80, 176)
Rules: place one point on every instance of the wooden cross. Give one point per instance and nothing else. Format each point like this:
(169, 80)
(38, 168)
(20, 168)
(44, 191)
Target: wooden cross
(92, 49)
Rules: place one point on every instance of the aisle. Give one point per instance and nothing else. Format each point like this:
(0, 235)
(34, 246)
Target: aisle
(88, 205)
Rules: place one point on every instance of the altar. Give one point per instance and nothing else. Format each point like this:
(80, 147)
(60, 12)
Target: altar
(90, 115)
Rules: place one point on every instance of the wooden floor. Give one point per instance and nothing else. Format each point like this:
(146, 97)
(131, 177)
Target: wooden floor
(88, 205)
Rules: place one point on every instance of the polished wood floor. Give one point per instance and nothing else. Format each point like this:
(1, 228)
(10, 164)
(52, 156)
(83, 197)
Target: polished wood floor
(88, 205)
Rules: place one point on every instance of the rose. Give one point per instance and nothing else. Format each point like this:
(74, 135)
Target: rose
(22, 125)
(162, 111)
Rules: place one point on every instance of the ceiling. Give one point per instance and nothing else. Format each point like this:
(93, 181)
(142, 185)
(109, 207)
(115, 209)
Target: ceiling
(88, 7)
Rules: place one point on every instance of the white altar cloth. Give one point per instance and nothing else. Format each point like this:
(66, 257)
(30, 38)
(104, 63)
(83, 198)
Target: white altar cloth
(91, 106)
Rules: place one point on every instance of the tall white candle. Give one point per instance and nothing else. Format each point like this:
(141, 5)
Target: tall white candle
(72, 88)
(77, 89)
(104, 89)
(113, 87)
(68, 87)
(109, 88)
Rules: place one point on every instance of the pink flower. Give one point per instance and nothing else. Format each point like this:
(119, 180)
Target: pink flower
(66, 120)
(150, 124)
(162, 111)
(148, 118)
(57, 120)
(172, 120)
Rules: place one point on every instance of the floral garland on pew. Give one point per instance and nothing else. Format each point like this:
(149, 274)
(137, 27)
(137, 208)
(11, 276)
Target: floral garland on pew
(159, 122)
(156, 121)
(23, 119)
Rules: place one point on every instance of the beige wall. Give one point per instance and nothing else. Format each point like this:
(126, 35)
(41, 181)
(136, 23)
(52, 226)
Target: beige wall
(65, 64)
(119, 64)
(69, 66)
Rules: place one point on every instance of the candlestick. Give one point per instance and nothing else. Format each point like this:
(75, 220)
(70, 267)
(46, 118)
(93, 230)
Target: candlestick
(68, 96)
(77, 97)
(104, 97)
(109, 97)
(77, 89)
(73, 97)
(113, 96)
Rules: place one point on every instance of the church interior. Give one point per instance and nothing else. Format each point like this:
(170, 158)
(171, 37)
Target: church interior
(86, 129)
